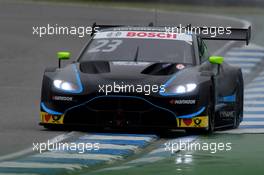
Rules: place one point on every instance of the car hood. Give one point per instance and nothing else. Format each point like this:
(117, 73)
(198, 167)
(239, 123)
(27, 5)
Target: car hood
(93, 74)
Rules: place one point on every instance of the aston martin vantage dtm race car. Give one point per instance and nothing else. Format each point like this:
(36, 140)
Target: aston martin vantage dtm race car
(143, 77)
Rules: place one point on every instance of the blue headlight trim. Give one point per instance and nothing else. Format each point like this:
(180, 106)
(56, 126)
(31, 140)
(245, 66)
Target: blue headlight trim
(165, 86)
(229, 98)
(193, 114)
(50, 111)
(78, 81)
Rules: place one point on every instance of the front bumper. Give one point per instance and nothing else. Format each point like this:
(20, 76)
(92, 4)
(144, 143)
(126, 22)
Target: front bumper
(124, 112)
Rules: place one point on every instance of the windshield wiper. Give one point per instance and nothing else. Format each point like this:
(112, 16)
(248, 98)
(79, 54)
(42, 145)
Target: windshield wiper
(136, 55)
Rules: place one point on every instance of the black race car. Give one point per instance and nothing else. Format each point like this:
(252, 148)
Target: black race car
(145, 77)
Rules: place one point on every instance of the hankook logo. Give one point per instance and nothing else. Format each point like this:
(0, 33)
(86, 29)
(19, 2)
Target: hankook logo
(62, 98)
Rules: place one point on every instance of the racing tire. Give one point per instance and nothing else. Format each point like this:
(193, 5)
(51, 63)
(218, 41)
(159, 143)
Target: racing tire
(211, 113)
(211, 117)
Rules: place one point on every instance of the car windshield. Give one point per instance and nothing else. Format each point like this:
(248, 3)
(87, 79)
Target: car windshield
(141, 46)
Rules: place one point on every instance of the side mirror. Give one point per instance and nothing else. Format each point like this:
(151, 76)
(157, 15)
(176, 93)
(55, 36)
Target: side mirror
(63, 56)
(216, 59)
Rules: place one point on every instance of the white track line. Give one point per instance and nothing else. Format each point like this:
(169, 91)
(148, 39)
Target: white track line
(246, 71)
(56, 139)
(255, 84)
(255, 96)
(253, 115)
(10, 164)
(147, 159)
(259, 89)
(159, 150)
(56, 155)
(258, 123)
(243, 131)
(113, 137)
(254, 109)
(260, 78)
(115, 168)
(120, 147)
(253, 102)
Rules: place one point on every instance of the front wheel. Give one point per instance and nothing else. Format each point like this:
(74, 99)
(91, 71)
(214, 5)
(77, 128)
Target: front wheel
(211, 120)
(239, 104)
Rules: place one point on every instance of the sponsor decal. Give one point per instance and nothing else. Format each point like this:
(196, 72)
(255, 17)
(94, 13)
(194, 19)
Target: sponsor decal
(62, 98)
(182, 102)
(160, 35)
(196, 122)
(180, 66)
(143, 35)
(227, 114)
(52, 119)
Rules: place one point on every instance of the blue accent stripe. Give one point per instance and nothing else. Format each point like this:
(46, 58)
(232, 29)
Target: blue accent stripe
(251, 126)
(118, 152)
(116, 96)
(193, 114)
(79, 82)
(254, 105)
(139, 143)
(254, 112)
(166, 84)
(123, 134)
(230, 98)
(254, 98)
(253, 119)
(50, 111)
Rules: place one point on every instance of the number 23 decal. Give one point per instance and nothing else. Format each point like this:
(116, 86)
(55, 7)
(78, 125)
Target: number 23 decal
(105, 46)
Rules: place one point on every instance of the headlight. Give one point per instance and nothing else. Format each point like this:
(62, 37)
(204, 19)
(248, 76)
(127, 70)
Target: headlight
(185, 88)
(64, 85)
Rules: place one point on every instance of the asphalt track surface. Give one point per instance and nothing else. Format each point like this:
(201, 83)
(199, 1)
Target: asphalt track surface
(23, 57)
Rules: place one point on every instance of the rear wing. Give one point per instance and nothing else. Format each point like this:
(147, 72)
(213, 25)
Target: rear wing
(236, 34)
(103, 26)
